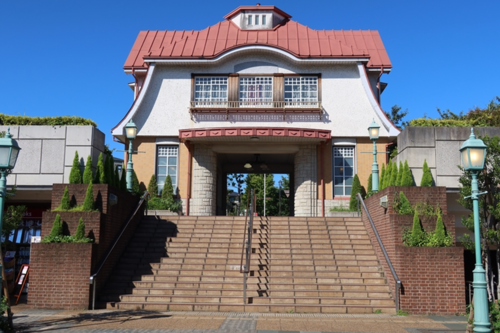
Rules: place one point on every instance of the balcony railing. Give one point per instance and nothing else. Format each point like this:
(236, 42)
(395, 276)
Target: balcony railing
(228, 107)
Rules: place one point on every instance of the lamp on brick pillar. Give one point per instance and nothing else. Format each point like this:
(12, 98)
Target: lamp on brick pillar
(473, 153)
(9, 150)
(131, 133)
(373, 132)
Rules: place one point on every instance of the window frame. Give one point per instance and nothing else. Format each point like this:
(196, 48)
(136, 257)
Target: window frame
(334, 175)
(157, 158)
(260, 102)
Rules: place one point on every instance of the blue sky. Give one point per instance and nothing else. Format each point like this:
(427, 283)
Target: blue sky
(66, 57)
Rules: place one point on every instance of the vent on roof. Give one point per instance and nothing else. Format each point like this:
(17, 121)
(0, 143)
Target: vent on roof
(257, 17)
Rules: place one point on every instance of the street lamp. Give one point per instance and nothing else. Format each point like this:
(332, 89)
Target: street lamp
(473, 153)
(373, 132)
(131, 133)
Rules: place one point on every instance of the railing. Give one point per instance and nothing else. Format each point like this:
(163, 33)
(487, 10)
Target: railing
(398, 282)
(93, 279)
(246, 249)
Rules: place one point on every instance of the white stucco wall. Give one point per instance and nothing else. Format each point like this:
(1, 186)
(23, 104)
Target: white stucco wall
(349, 105)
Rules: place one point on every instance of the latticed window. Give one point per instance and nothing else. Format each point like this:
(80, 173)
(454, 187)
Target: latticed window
(343, 170)
(210, 88)
(256, 89)
(301, 89)
(166, 164)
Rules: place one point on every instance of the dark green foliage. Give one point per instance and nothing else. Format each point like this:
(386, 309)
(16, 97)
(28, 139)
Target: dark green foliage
(381, 179)
(87, 173)
(109, 169)
(394, 174)
(153, 186)
(417, 236)
(12, 219)
(426, 176)
(157, 203)
(369, 190)
(51, 121)
(388, 174)
(440, 232)
(402, 205)
(356, 188)
(407, 178)
(117, 177)
(396, 116)
(88, 203)
(135, 184)
(256, 181)
(400, 174)
(123, 179)
(75, 175)
(80, 230)
(100, 176)
(65, 201)
(57, 227)
(168, 191)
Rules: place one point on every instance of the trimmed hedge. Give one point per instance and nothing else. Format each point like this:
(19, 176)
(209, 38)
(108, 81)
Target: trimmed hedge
(51, 121)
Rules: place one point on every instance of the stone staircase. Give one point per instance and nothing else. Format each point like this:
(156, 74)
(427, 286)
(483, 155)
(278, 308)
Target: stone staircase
(325, 265)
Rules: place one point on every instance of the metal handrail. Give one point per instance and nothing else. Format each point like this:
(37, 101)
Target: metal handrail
(93, 279)
(396, 278)
(256, 104)
(247, 246)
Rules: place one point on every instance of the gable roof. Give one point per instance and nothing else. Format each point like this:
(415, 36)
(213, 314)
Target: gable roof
(290, 36)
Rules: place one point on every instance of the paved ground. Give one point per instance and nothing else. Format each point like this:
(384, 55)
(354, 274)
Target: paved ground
(106, 321)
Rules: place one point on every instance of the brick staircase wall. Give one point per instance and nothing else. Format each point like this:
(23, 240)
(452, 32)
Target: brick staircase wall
(433, 278)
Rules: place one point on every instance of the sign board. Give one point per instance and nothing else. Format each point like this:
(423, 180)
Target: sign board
(22, 277)
(36, 239)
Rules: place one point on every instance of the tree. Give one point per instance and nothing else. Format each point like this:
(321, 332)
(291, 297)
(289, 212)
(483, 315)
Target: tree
(12, 219)
(80, 230)
(167, 193)
(396, 116)
(407, 178)
(356, 188)
(417, 233)
(440, 232)
(57, 227)
(394, 174)
(369, 190)
(123, 179)
(110, 170)
(75, 175)
(400, 174)
(117, 177)
(65, 201)
(381, 180)
(100, 176)
(236, 180)
(153, 186)
(136, 189)
(256, 182)
(489, 212)
(87, 173)
(88, 203)
(426, 176)
(388, 174)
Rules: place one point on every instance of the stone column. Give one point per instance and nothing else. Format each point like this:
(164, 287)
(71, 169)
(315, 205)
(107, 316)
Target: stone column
(306, 185)
(204, 181)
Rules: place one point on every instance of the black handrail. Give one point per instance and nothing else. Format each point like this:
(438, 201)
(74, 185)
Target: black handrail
(93, 276)
(247, 246)
(398, 282)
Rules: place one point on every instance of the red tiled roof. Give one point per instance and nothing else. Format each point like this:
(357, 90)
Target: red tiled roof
(290, 36)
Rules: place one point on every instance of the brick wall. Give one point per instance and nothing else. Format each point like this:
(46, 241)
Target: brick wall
(105, 225)
(59, 276)
(422, 271)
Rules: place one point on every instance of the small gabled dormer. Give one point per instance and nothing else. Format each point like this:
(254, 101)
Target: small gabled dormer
(257, 17)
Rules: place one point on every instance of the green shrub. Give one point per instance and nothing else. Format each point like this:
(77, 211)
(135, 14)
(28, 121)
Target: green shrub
(369, 190)
(153, 186)
(168, 190)
(109, 169)
(100, 177)
(426, 176)
(407, 178)
(80, 230)
(356, 188)
(65, 202)
(57, 227)
(402, 205)
(50, 121)
(136, 189)
(400, 174)
(123, 179)
(117, 177)
(394, 174)
(88, 203)
(75, 175)
(417, 236)
(157, 203)
(388, 174)
(440, 237)
(381, 179)
(65, 239)
(87, 173)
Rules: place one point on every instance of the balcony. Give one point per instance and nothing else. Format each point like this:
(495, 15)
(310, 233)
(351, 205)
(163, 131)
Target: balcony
(230, 107)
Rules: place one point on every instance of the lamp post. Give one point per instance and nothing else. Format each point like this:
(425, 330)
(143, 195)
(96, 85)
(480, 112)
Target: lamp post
(473, 153)
(131, 133)
(373, 131)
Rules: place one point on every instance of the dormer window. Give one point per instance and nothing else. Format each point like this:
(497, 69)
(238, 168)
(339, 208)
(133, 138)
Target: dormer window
(263, 19)
(256, 19)
(249, 20)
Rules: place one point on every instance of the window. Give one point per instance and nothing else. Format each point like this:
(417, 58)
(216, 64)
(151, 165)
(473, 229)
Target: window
(255, 90)
(256, 19)
(210, 88)
(249, 19)
(301, 89)
(343, 164)
(263, 19)
(166, 164)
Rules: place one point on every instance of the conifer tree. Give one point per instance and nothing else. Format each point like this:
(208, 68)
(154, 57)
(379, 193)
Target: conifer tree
(440, 233)
(400, 174)
(167, 193)
(388, 174)
(123, 179)
(87, 173)
(153, 186)
(355, 189)
(57, 227)
(88, 203)
(65, 202)
(100, 176)
(407, 179)
(117, 177)
(135, 184)
(369, 190)
(110, 172)
(75, 175)
(426, 176)
(381, 179)
(80, 230)
(417, 234)
(394, 174)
